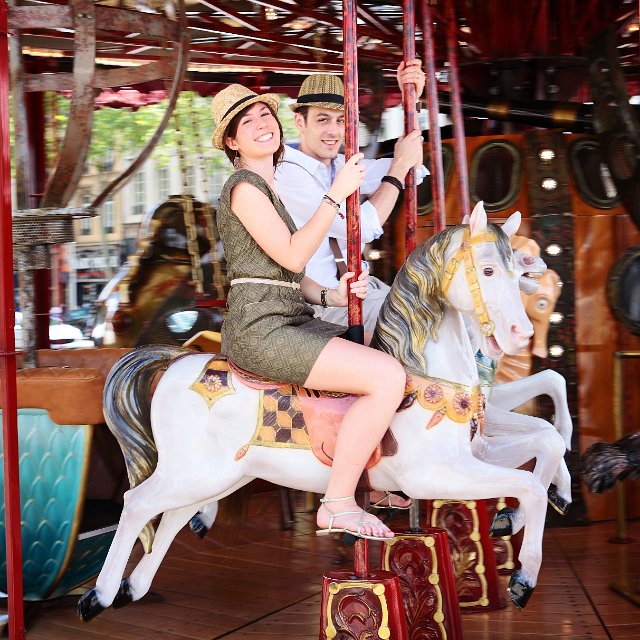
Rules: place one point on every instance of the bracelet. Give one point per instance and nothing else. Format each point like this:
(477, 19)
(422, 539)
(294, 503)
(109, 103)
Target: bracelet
(394, 181)
(323, 298)
(326, 198)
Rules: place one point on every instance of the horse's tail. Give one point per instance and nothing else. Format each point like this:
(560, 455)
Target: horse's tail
(127, 411)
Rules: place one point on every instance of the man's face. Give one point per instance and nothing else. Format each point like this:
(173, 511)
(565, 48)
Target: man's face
(322, 133)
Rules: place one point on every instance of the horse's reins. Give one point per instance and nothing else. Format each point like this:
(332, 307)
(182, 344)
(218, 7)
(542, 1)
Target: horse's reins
(464, 253)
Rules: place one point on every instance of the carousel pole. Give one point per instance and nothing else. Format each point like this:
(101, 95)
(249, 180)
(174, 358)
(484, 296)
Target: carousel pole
(420, 557)
(17, 630)
(346, 593)
(409, 100)
(351, 147)
(456, 111)
(435, 143)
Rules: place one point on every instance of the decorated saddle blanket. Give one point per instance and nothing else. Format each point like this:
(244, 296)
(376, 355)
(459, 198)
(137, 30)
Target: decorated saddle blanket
(289, 416)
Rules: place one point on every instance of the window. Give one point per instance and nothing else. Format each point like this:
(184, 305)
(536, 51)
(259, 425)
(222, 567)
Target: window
(85, 224)
(190, 177)
(106, 163)
(139, 193)
(217, 182)
(163, 183)
(107, 216)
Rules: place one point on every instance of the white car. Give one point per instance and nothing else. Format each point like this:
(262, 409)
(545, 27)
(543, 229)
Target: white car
(61, 335)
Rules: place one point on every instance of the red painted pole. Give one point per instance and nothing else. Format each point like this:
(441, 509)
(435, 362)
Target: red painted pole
(354, 247)
(17, 630)
(435, 143)
(456, 111)
(409, 97)
(352, 116)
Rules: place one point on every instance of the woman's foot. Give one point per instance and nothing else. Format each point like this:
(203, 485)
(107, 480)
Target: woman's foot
(343, 515)
(386, 500)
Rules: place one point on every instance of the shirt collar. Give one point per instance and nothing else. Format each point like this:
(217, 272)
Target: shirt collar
(308, 163)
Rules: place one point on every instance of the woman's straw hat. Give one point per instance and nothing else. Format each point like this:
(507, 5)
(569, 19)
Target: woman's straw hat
(230, 101)
(320, 90)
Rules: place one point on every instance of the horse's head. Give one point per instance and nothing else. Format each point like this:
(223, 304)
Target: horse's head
(486, 287)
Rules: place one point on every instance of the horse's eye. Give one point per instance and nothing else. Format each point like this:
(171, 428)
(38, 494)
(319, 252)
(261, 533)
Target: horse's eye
(488, 271)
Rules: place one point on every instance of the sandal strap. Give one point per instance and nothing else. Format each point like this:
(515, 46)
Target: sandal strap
(325, 499)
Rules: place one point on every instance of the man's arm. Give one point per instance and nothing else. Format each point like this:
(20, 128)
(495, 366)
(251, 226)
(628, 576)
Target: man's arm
(408, 150)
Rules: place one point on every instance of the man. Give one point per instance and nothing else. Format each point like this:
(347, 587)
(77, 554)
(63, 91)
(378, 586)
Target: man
(306, 174)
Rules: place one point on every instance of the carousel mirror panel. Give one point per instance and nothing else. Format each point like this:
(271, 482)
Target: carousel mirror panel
(495, 175)
(623, 289)
(592, 174)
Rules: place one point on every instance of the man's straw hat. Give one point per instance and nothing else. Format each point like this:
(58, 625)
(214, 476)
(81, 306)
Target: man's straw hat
(320, 90)
(230, 101)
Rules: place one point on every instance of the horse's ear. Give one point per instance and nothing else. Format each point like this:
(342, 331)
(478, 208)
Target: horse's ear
(512, 224)
(478, 219)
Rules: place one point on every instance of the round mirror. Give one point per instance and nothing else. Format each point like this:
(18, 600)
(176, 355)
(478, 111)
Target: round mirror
(623, 289)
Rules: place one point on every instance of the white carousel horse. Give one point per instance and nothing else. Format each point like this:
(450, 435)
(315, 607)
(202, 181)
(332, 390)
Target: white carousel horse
(511, 439)
(185, 449)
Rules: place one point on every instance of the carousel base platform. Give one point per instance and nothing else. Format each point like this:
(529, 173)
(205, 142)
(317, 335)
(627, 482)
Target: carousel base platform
(258, 582)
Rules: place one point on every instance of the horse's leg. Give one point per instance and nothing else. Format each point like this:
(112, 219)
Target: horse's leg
(204, 519)
(512, 439)
(562, 481)
(139, 582)
(510, 395)
(471, 479)
(141, 504)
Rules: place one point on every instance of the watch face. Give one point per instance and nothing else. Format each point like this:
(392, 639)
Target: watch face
(623, 289)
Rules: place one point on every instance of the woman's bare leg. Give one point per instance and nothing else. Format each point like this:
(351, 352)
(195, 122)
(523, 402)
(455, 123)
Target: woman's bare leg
(379, 380)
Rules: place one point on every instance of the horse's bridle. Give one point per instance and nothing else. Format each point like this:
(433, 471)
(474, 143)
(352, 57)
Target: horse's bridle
(464, 253)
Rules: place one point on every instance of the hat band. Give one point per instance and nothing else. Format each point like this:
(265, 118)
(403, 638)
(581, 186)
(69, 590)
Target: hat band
(236, 105)
(321, 97)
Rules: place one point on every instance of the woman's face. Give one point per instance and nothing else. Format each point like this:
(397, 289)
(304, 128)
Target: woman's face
(258, 133)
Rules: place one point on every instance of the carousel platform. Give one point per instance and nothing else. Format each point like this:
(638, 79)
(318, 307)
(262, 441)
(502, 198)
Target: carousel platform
(255, 581)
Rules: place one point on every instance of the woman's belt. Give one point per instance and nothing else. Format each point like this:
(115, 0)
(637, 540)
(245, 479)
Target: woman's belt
(278, 283)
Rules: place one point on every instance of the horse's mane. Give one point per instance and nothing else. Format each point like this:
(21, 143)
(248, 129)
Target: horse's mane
(414, 308)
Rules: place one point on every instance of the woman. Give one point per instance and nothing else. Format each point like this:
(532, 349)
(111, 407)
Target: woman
(269, 329)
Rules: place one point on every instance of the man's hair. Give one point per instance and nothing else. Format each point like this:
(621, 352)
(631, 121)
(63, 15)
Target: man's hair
(303, 111)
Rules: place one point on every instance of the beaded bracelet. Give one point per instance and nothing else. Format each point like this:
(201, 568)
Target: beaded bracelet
(394, 181)
(331, 202)
(323, 298)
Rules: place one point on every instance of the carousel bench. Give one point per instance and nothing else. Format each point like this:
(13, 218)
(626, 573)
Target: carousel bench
(71, 471)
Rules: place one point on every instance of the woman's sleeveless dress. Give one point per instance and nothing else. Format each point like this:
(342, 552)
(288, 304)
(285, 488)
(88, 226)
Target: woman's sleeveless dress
(269, 329)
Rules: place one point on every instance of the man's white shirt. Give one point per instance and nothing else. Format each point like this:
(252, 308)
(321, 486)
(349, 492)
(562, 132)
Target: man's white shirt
(301, 181)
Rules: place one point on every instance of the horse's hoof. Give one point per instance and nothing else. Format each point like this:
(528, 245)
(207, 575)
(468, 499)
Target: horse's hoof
(123, 597)
(502, 524)
(88, 605)
(519, 590)
(558, 502)
(198, 526)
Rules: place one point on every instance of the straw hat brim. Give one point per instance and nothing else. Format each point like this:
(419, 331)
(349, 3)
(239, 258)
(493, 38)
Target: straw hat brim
(272, 100)
(323, 105)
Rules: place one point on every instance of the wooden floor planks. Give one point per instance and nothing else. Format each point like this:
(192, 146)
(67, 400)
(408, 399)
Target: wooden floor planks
(256, 582)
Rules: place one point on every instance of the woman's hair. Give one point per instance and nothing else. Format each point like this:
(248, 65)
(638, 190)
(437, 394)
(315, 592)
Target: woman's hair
(232, 129)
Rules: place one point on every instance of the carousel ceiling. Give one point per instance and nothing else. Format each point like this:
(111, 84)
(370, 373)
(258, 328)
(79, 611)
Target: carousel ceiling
(268, 43)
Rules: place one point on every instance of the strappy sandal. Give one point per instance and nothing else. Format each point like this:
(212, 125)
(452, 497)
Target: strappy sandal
(385, 503)
(356, 524)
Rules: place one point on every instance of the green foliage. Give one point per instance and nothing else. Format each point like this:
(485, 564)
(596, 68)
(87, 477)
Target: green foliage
(123, 132)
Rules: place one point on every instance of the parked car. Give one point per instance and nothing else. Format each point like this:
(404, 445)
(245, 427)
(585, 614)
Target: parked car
(61, 335)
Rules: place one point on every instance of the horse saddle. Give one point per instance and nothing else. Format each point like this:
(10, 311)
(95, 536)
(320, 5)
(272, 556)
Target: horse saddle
(290, 415)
